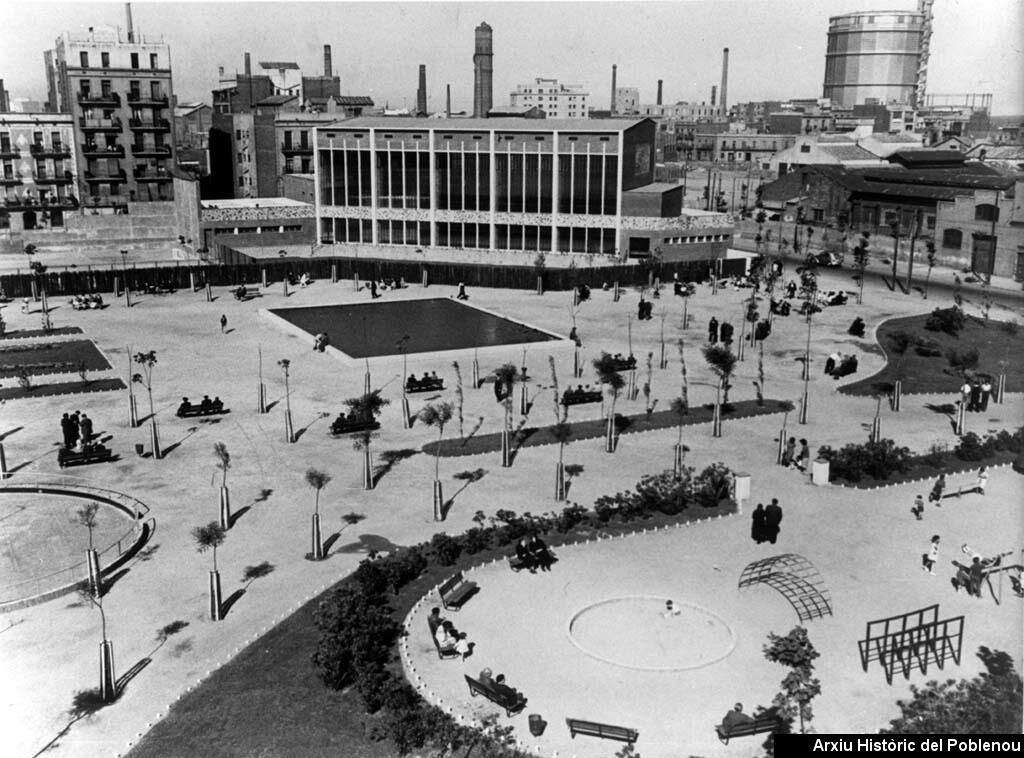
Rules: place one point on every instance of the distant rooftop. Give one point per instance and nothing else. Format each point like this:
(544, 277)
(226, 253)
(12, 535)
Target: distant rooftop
(501, 124)
(276, 99)
(251, 202)
(279, 65)
(655, 188)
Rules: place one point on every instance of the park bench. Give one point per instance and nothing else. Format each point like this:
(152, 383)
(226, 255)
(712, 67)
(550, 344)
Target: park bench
(578, 397)
(424, 385)
(246, 291)
(512, 702)
(518, 564)
(159, 288)
(188, 410)
(456, 591)
(443, 653)
(93, 454)
(623, 364)
(604, 731)
(846, 367)
(759, 725)
(347, 425)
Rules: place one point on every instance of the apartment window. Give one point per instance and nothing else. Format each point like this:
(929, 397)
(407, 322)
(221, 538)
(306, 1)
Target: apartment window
(238, 134)
(83, 58)
(152, 60)
(287, 140)
(105, 60)
(952, 239)
(84, 87)
(37, 138)
(154, 90)
(986, 212)
(135, 60)
(133, 90)
(105, 87)
(55, 140)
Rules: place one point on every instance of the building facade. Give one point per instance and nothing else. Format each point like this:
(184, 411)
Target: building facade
(627, 101)
(40, 170)
(504, 184)
(117, 88)
(557, 100)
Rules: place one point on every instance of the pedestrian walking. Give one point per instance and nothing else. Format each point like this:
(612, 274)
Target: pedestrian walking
(935, 496)
(975, 396)
(725, 333)
(918, 508)
(789, 452)
(757, 527)
(713, 330)
(982, 481)
(772, 519)
(928, 559)
(223, 323)
(804, 457)
(986, 392)
(462, 292)
(965, 394)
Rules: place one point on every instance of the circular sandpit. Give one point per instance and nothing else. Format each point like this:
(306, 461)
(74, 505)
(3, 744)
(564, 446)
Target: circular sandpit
(637, 633)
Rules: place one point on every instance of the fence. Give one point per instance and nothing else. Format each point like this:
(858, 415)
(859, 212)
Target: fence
(181, 275)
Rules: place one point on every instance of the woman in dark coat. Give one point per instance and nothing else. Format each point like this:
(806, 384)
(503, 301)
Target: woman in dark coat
(758, 526)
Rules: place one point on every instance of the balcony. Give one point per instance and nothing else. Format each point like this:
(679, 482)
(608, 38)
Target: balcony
(152, 151)
(296, 149)
(114, 177)
(99, 99)
(102, 151)
(151, 174)
(156, 125)
(56, 151)
(9, 151)
(52, 177)
(29, 203)
(147, 101)
(100, 124)
(10, 181)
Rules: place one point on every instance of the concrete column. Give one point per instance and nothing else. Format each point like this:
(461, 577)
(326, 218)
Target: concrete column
(215, 596)
(438, 501)
(225, 508)
(108, 681)
(372, 153)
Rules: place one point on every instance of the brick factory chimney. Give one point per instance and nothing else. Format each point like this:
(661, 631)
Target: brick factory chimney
(248, 65)
(714, 94)
(421, 93)
(615, 69)
(327, 61)
(483, 71)
(448, 101)
(128, 14)
(659, 92)
(724, 102)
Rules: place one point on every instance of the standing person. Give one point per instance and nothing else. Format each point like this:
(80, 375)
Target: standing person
(757, 527)
(928, 559)
(935, 496)
(772, 519)
(975, 396)
(75, 428)
(223, 323)
(982, 480)
(918, 508)
(977, 574)
(789, 453)
(641, 308)
(86, 425)
(965, 394)
(726, 333)
(986, 392)
(462, 292)
(713, 330)
(65, 430)
(804, 457)
(373, 289)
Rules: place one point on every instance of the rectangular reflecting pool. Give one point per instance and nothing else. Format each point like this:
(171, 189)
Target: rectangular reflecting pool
(369, 330)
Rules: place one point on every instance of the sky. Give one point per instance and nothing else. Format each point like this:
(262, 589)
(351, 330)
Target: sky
(777, 47)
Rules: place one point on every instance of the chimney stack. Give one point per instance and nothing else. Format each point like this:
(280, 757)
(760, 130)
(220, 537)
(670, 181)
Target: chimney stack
(615, 70)
(3, 98)
(714, 94)
(328, 69)
(724, 102)
(483, 70)
(248, 65)
(131, 29)
(448, 101)
(421, 93)
(659, 92)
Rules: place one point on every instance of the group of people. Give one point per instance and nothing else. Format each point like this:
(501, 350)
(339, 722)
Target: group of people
(532, 553)
(780, 307)
(76, 429)
(205, 404)
(376, 286)
(644, 309)
(723, 332)
(838, 365)
(448, 638)
(86, 302)
(975, 394)
(939, 489)
(428, 380)
(793, 459)
(496, 684)
(582, 294)
(766, 521)
(320, 342)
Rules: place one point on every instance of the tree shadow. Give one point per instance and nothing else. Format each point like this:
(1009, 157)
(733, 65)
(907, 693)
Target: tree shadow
(390, 459)
(171, 448)
(260, 570)
(147, 553)
(8, 433)
(238, 514)
(131, 673)
(946, 409)
(329, 542)
(110, 581)
(370, 543)
(84, 704)
(264, 495)
(272, 404)
(229, 602)
(467, 478)
(474, 430)
(303, 430)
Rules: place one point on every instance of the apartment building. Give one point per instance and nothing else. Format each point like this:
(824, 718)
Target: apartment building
(557, 100)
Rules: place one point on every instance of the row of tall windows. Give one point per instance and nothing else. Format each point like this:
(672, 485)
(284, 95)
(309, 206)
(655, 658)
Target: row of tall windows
(345, 177)
(403, 179)
(394, 232)
(523, 183)
(463, 235)
(587, 183)
(346, 230)
(83, 59)
(462, 181)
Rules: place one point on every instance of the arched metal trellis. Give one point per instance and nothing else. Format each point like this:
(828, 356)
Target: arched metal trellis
(797, 580)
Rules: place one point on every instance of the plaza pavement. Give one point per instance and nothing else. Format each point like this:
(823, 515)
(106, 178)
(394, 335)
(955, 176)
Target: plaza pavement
(866, 544)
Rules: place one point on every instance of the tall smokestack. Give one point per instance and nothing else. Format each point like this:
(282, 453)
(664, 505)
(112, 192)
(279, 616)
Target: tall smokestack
(483, 71)
(714, 92)
(448, 101)
(659, 92)
(328, 68)
(131, 29)
(421, 93)
(724, 102)
(248, 65)
(3, 98)
(615, 72)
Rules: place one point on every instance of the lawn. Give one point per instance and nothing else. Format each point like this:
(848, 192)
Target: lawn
(996, 341)
(51, 358)
(62, 388)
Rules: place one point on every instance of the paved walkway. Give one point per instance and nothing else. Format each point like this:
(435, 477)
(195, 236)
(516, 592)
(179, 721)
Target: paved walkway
(50, 651)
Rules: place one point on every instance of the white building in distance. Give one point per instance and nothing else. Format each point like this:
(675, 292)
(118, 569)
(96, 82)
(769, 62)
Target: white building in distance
(557, 100)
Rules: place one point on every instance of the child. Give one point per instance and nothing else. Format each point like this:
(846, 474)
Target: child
(982, 480)
(935, 496)
(670, 610)
(918, 508)
(928, 559)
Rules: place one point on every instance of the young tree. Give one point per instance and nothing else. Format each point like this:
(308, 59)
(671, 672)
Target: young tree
(647, 384)
(437, 414)
(561, 431)
(990, 703)
(317, 480)
(209, 537)
(861, 255)
(108, 680)
(146, 362)
(799, 686)
(507, 375)
(679, 408)
(289, 433)
(684, 396)
(609, 376)
(366, 407)
(86, 516)
(220, 452)
(459, 397)
(722, 362)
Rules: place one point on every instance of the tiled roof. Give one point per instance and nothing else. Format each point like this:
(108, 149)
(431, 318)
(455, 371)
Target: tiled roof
(848, 152)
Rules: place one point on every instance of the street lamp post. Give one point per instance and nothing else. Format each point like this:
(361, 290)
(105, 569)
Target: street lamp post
(124, 268)
(289, 435)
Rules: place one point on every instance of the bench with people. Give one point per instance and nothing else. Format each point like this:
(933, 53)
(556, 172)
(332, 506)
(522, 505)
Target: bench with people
(159, 288)
(346, 424)
(581, 395)
(448, 641)
(83, 453)
(780, 307)
(838, 365)
(428, 383)
(246, 291)
(832, 297)
(857, 327)
(738, 724)
(494, 689)
(621, 363)
(531, 554)
(206, 407)
(93, 301)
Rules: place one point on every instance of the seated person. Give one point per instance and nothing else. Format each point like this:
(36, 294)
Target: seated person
(96, 301)
(500, 688)
(832, 361)
(185, 405)
(218, 404)
(538, 551)
(523, 555)
(434, 379)
(734, 718)
(411, 381)
(240, 292)
(486, 678)
(304, 279)
(857, 327)
(670, 610)
(434, 620)
(584, 293)
(206, 404)
(291, 279)
(448, 639)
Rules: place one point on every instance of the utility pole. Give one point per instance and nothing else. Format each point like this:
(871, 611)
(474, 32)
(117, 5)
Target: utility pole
(896, 243)
(913, 240)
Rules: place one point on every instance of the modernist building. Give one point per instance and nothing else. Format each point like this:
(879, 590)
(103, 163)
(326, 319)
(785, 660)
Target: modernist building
(553, 186)
(557, 100)
(117, 87)
(40, 170)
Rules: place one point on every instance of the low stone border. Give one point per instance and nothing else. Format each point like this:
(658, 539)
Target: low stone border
(26, 334)
(62, 388)
(929, 478)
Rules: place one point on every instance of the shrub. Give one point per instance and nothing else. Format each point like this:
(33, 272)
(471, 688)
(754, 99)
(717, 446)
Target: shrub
(963, 360)
(571, 516)
(608, 507)
(1010, 327)
(402, 567)
(948, 320)
(712, 485)
(476, 540)
(446, 548)
(936, 454)
(878, 460)
(928, 347)
(664, 492)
